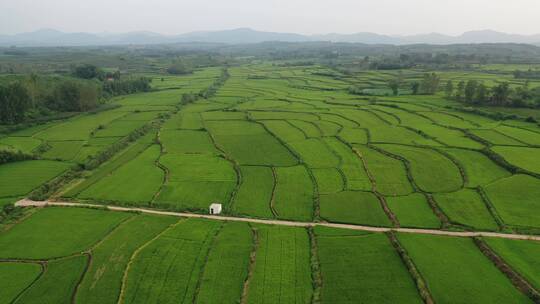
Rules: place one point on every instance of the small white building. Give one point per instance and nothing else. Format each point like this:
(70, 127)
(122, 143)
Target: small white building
(215, 208)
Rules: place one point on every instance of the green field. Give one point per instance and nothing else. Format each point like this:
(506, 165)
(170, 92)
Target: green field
(282, 141)
(457, 272)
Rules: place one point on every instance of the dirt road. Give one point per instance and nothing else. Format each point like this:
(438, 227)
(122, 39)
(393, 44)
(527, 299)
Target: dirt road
(30, 203)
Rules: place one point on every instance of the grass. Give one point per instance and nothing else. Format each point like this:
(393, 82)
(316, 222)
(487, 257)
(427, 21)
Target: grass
(329, 180)
(250, 144)
(181, 253)
(103, 279)
(525, 158)
(105, 169)
(315, 153)
(457, 272)
(79, 127)
(282, 271)
(494, 137)
(119, 128)
(294, 194)
(351, 165)
(522, 256)
(479, 169)
(228, 258)
(284, 130)
(15, 277)
(196, 180)
(515, 198)
(466, 207)
(413, 211)
(77, 228)
(19, 178)
(58, 283)
(63, 150)
(526, 136)
(353, 135)
(24, 144)
(353, 207)
(390, 174)
(187, 141)
(255, 192)
(431, 171)
(136, 181)
(363, 269)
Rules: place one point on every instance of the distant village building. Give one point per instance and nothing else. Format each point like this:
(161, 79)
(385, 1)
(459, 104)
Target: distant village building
(215, 208)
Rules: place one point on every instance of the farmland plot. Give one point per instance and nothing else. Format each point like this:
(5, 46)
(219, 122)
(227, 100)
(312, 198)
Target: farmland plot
(19, 178)
(479, 169)
(413, 211)
(77, 228)
(525, 158)
(181, 253)
(389, 173)
(228, 258)
(516, 200)
(350, 164)
(315, 153)
(294, 194)
(457, 272)
(15, 277)
(466, 207)
(58, 282)
(431, 171)
(255, 192)
(363, 269)
(250, 144)
(120, 185)
(196, 180)
(103, 279)
(282, 271)
(523, 256)
(354, 207)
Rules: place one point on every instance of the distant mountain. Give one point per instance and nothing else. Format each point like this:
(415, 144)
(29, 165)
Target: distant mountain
(50, 37)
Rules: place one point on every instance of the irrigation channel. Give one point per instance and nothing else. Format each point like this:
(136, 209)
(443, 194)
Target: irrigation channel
(31, 203)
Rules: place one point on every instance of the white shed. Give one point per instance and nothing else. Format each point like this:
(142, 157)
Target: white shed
(215, 208)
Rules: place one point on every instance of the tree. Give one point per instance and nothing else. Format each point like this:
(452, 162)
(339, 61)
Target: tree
(415, 86)
(430, 84)
(449, 89)
(481, 96)
(460, 92)
(15, 101)
(86, 71)
(179, 68)
(394, 86)
(500, 94)
(470, 90)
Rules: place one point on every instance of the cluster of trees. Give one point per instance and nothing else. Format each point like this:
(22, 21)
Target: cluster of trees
(530, 74)
(476, 93)
(179, 68)
(7, 156)
(212, 89)
(428, 86)
(126, 86)
(90, 71)
(36, 97)
(31, 96)
(15, 101)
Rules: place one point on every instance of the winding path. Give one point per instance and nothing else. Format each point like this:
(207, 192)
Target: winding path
(30, 203)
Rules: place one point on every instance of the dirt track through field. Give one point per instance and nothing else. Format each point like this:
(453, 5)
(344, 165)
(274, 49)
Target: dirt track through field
(30, 203)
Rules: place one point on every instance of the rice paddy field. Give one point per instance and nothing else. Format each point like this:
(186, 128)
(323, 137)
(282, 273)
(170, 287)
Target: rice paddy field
(282, 143)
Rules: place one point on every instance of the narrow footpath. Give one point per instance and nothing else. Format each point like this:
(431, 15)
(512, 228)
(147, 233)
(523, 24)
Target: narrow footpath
(30, 203)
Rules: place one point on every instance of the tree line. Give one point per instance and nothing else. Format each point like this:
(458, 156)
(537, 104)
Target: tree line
(37, 96)
(477, 93)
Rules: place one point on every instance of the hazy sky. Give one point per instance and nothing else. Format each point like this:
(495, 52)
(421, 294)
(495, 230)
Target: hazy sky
(300, 16)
